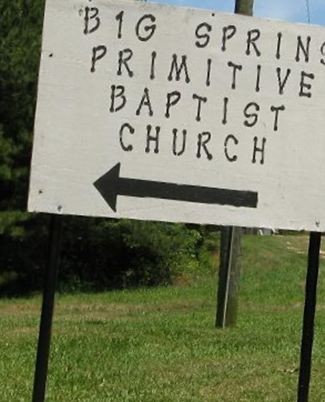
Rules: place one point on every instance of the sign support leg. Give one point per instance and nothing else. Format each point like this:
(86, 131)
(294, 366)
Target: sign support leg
(309, 317)
(44, 339)
(229, 277)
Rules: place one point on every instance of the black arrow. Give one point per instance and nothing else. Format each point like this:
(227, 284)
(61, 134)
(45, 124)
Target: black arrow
(110, 185)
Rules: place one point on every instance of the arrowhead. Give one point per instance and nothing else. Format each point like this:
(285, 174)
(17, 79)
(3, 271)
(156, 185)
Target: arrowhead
(107, 185)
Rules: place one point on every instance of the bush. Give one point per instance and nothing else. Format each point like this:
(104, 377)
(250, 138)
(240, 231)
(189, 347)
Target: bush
(104, 253)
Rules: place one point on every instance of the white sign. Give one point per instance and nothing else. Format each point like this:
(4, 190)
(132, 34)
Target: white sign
(165, 113)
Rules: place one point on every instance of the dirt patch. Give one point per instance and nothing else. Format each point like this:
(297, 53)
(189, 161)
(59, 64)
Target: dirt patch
(19, 309)
(299, 245)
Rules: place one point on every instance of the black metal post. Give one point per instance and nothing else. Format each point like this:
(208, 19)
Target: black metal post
(44, 339)
(309, 317)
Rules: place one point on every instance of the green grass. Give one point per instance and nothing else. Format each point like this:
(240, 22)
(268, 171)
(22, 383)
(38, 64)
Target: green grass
(161, 344)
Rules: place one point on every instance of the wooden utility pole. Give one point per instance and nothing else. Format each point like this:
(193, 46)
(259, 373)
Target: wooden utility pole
(230, 247)
(244, 7)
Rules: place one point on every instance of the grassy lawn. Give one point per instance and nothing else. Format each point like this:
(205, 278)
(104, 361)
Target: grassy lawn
(161, 344)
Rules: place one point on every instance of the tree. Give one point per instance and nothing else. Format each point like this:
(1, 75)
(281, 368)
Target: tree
(20, 33)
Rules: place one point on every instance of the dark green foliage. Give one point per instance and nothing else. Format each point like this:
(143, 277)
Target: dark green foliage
(97, 253)
(20, 36)
(107, 253)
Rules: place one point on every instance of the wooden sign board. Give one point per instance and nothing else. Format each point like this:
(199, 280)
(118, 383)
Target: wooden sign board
(164, 113)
